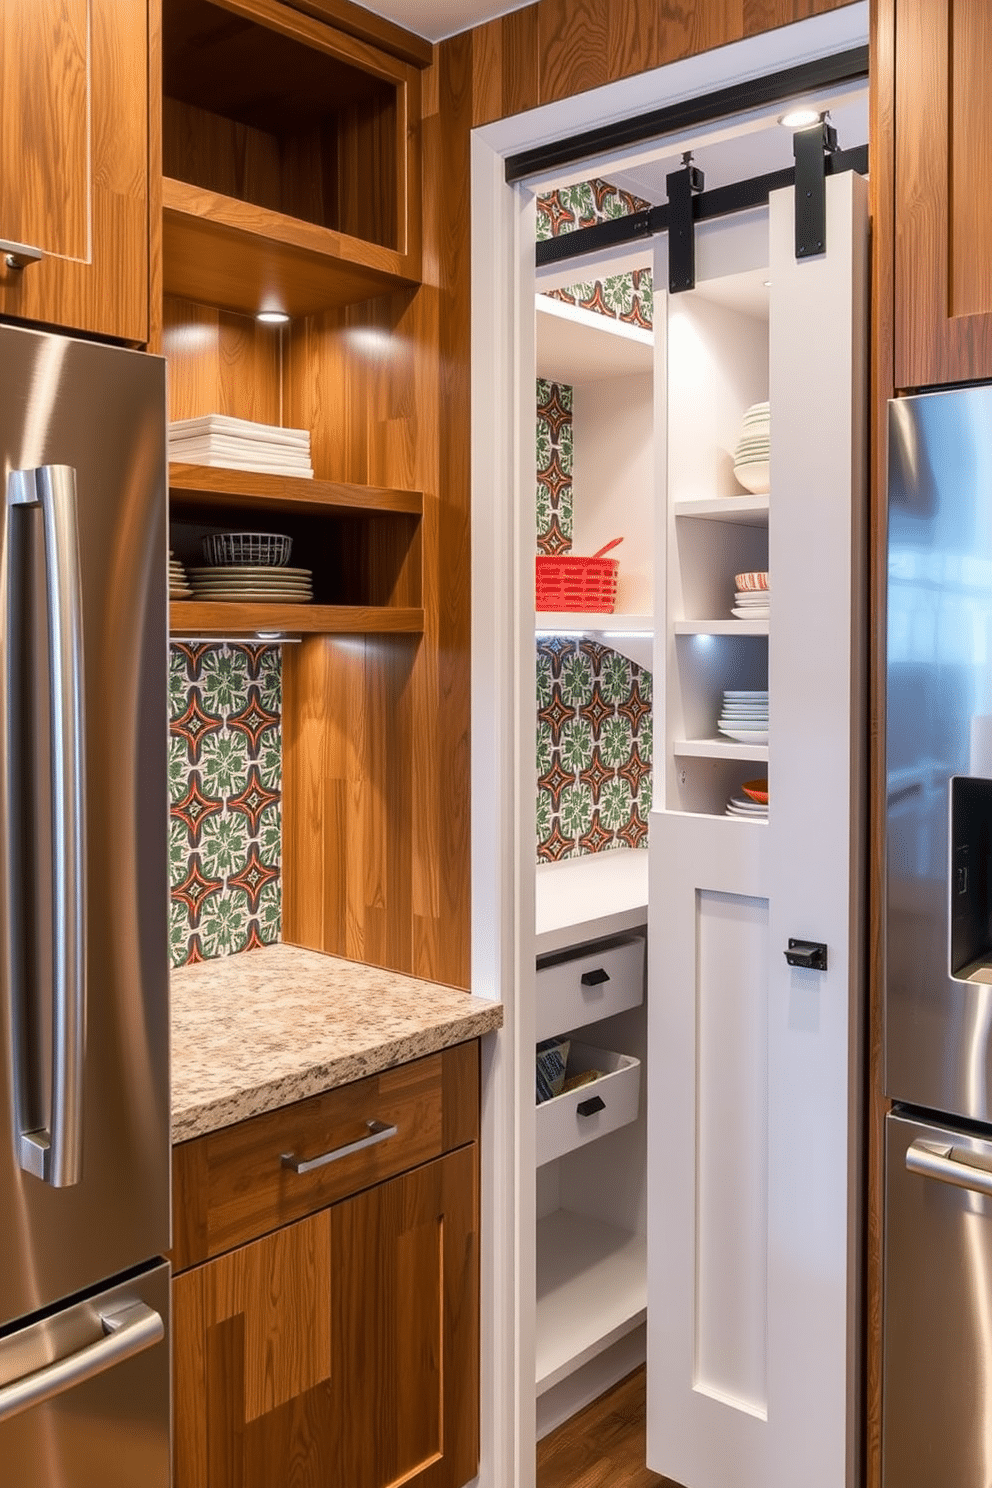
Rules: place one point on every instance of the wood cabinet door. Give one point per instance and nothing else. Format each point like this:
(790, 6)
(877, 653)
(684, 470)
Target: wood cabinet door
(342, 1349)
(943, 192)
(74, 162)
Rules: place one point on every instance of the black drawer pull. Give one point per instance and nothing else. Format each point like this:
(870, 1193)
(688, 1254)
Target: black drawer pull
(595, 978)
(591, 1106)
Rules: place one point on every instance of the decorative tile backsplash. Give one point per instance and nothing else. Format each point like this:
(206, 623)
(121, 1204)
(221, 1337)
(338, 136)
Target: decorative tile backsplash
(582, 205)
(626, 297)
(225, 784)
(594, 749)
(554, 467)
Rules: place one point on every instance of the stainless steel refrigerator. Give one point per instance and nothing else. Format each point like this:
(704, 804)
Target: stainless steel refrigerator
(937, 1366)
(84, 1032)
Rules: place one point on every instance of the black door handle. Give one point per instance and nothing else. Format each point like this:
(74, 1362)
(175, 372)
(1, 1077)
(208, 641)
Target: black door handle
(591, 1106)
(594, 978)
(811, 954)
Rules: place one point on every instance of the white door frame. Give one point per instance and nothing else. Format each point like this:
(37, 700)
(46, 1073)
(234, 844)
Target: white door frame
(503, 693)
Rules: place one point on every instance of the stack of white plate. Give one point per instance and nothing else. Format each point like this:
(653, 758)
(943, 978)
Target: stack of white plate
(245, 584)
(750, 606)
(178, 582)
(238, 444)
(749, 810)
(744, 716)
(753, 452)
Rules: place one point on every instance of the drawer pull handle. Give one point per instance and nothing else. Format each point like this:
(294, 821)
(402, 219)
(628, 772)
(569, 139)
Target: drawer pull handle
(20, 255)
(378, 1132)
(591, 1106)
(595, 978)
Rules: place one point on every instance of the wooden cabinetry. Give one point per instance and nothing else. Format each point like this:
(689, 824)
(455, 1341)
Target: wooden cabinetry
(290, 154)
(74, 163)
(943, 184)
(342, 1346)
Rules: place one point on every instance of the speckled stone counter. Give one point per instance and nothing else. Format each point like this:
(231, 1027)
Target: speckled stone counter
(259, 1030)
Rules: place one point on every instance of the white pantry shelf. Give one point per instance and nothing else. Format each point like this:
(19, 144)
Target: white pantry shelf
(727, 749)
(590, 897)
(721, 627)
(576, 345)
(751, 511)
(631, 635)
(592, 1290)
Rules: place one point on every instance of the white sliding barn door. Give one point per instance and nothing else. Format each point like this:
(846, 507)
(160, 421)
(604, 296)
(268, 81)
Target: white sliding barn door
(755, 1098)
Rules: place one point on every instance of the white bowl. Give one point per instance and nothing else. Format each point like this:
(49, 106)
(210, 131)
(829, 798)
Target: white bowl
(754, 477)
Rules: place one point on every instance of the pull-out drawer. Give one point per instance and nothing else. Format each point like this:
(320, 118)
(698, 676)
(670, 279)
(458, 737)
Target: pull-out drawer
(581, 1116)
(237, 1183)
(581, 989)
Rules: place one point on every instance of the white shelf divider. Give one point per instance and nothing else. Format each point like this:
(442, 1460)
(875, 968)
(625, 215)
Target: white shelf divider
(751, 511)
(727, 749)
(591, 1291)
(557, 622)
(721, 627)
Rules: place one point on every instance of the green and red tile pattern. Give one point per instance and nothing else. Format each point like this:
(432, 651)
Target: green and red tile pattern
(594, 749)
(225, 787)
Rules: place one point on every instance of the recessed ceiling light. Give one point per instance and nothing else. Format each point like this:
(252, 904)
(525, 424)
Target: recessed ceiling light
(767, 283)
(272, 317)
(799, 118)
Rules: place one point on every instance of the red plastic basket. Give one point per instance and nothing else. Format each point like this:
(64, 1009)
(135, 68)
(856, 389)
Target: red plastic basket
(567, 583)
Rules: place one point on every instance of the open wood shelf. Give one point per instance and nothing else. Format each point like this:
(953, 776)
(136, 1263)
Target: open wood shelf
(198, 486)
(220, 251)
(199, 618)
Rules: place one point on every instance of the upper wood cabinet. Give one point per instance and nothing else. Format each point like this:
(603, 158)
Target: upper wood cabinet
(943, 192)
(290, 157)
(74, 163)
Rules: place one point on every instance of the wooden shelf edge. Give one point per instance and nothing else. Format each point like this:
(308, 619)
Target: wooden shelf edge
(203, 485)
(199, 618)
(227, 252)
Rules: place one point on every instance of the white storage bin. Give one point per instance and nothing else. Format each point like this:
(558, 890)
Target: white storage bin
(581, 1116)
(585, 988)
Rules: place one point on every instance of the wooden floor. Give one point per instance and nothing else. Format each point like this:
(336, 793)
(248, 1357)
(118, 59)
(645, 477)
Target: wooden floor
(603, 1446)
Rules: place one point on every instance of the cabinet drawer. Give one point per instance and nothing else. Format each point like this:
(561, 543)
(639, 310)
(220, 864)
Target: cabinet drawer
(234, 1185)
(581, 1116)
(585, 988)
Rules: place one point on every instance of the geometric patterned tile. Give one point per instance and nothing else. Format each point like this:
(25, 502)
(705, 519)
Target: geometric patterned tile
(594, 749)
(225, 785)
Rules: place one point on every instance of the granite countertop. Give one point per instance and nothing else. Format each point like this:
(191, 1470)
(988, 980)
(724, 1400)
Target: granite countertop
(265, 1028)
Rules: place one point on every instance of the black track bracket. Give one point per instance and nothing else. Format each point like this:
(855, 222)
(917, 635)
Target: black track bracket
(682, 185)
(810, 147)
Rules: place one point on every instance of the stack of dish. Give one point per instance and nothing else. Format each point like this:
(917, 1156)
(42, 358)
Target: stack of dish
(753, 452)
(744, 717)
(250, 568)
(751, 596)
(178, 582)
(752, 803)
(238, 444)
(248, 585)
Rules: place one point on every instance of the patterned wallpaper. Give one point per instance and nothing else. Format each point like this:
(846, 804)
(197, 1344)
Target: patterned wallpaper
(554, 467)
(225, 784)
(594, 744)
(594, 738)
(627, 297)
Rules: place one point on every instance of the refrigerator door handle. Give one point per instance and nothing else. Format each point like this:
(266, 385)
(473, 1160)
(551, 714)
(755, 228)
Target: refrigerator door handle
(947, 1164)
(55, 1154)
(125, 1333)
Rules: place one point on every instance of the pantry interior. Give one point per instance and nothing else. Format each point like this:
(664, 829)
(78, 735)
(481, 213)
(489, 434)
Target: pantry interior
(723, 1071)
